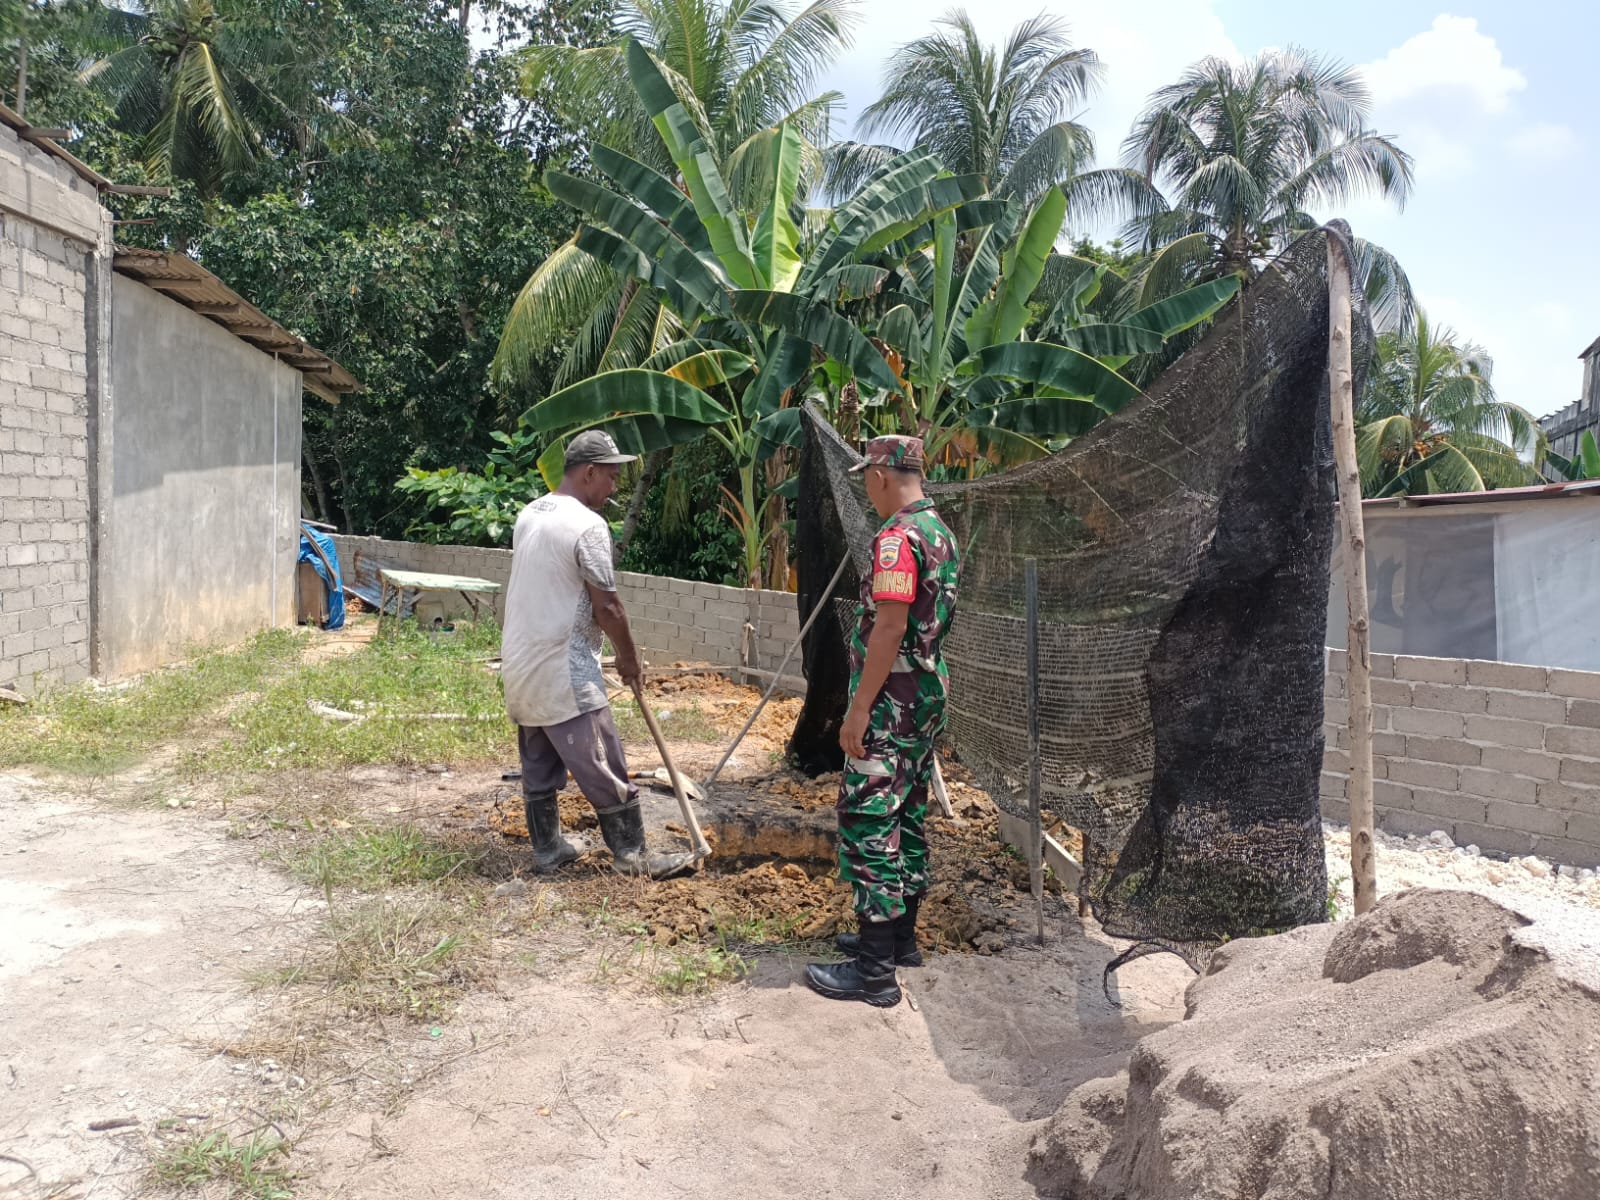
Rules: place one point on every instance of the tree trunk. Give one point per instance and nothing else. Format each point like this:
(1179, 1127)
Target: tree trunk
(1341, 395)
(319, 486)
(750, 526)
(777, 512)
(22, 74)
(653, 462)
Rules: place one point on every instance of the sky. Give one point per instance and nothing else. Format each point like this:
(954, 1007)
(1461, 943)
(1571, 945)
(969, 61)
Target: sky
(1495, 100)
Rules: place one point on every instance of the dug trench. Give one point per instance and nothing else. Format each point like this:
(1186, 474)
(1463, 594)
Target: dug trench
(772, 865)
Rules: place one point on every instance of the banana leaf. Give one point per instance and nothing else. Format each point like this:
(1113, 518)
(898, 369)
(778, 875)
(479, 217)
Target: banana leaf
(775, 245)
(1001, 318)
(694, 160)
(624, 394)
(1187, 309)
(1045, 364)
(817, 324)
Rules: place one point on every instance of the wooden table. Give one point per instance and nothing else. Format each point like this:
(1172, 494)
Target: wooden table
(421, 581)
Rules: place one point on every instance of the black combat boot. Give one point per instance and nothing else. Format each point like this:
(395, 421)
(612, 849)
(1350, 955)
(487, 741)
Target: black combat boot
(550, 849)
(869, 976)
(906, 953)
(623, 830)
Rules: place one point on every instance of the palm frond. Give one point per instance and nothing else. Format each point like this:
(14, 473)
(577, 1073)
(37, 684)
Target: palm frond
(1051, 159)
(560, 296)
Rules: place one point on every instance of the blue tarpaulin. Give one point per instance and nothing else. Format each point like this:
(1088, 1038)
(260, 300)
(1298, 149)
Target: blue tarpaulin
(322, 563)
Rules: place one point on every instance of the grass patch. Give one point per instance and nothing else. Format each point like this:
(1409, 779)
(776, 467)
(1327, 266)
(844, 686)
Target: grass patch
(252, 1167)
(410, 957)
(695, 970)
(418, 701)
(684, 722)
(93, 730)
(751, 931)
(374, 859)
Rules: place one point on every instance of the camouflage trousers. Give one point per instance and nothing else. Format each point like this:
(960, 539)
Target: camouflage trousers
(883, 811)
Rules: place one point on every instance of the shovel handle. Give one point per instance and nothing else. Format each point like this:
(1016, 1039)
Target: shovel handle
(696, 838)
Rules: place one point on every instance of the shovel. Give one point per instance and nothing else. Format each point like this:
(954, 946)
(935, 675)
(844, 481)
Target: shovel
(696, 838)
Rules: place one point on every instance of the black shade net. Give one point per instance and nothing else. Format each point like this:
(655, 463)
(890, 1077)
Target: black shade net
(1182, 550)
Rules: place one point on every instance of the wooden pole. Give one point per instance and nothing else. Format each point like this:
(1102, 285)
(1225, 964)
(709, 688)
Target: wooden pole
(1341, 396)
(1030, 585)
(697, 839)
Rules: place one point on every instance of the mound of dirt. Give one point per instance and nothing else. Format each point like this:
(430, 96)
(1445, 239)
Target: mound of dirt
(1431, 1048)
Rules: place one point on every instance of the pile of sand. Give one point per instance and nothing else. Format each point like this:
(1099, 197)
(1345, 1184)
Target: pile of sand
(1440, 1046)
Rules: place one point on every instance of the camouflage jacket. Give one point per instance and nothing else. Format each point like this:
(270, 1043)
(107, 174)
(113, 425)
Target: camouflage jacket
(914, 561)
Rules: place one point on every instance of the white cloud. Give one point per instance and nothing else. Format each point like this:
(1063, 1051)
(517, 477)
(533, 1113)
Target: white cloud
(1544, 142)
(1453, 56)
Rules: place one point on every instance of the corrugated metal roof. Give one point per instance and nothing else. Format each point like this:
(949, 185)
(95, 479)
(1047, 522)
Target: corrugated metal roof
(1549, 491)
(180, 278)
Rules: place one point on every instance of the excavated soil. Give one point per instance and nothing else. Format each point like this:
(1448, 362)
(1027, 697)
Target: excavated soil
(773, 863)
(772, 832)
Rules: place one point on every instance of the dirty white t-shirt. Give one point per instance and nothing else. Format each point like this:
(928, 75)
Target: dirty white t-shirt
(550, 648)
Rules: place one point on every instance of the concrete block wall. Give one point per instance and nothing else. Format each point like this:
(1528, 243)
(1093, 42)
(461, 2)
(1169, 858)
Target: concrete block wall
(1502, 756)
(50, 227)
(674, 620)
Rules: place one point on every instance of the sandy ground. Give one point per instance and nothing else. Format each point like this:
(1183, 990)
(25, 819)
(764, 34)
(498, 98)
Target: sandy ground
(129, 935)
(124, 938)
(763, 1090)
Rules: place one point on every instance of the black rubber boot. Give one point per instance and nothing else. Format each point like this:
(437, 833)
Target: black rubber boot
(550, 849)
(623, 830)
(906, 953)
(869, 976)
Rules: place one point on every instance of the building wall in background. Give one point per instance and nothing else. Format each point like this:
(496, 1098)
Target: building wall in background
(201, 490)
(673, 620)
(1501, 756)
(51, 225)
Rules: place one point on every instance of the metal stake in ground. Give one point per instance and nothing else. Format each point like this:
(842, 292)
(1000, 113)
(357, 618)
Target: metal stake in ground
(696, 839)
(1030, 587)
(1341, 397)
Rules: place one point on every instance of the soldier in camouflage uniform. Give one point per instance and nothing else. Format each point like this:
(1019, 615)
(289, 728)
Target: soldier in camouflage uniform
(898, 683)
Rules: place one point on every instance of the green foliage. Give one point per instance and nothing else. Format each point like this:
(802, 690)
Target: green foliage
(681, 534)
(1585, 466)
(1430, 420)
(251, 1167)
(480, 507)
(391, 228)
(375, 859)
(999, 114)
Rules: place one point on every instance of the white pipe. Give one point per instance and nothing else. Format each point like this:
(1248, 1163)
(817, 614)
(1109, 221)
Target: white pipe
(272, 534)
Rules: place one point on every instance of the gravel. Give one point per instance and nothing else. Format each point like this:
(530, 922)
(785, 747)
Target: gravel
(1436, 861)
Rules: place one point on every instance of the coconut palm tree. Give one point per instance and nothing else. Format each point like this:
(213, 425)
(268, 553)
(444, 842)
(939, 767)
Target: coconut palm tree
(1001, 114)
(207, 85)
(1223, 166)
(1430, 421)
(741, 69)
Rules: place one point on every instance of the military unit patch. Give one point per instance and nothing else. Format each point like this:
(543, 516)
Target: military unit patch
(889, 549)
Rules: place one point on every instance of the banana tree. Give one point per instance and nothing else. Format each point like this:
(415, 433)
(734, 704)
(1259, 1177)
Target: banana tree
(1583, 465)
(959, 326)
(756, 306)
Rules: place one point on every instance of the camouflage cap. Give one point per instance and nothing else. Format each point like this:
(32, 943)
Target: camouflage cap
(893, 450)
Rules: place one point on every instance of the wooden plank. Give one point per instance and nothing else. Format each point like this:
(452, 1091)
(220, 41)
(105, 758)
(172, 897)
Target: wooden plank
(1017, 832)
